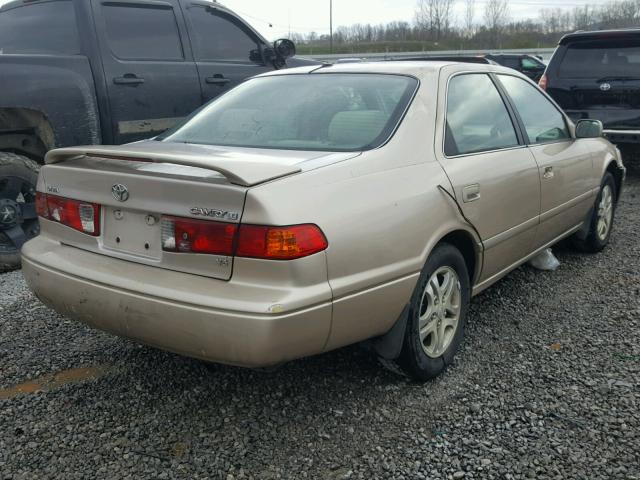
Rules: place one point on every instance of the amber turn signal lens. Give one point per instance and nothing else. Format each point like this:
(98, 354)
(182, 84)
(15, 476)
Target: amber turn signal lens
(280, 243)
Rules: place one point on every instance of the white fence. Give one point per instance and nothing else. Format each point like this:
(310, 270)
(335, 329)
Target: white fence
(545, 53)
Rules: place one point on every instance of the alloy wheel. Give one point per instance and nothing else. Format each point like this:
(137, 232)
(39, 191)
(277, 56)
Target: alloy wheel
(605, 213)
(440, 309)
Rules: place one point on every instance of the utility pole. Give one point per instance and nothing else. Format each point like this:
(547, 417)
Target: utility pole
(330, 26)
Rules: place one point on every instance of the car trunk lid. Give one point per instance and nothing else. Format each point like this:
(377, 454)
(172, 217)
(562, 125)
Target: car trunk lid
(161, 181)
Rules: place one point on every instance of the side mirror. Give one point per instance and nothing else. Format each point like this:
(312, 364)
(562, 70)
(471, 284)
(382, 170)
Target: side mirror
(589, 129)
(284, 48)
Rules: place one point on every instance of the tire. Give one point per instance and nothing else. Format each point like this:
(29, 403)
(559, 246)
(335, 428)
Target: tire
(425, 356)
(18, 219)
(601, 221)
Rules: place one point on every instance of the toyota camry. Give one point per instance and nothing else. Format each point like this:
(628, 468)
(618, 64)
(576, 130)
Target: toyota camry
(318, 207)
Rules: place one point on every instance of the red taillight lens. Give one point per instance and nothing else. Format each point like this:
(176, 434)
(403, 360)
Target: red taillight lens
(79, 215)
(183, 235)
(543, 82)
(42, 209)
(280, 243)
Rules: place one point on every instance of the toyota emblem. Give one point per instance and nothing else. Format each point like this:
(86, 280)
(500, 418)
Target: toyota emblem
(605, 87)
(120, 192)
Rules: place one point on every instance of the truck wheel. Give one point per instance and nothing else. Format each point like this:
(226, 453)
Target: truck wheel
(438, 310)
(18, 217)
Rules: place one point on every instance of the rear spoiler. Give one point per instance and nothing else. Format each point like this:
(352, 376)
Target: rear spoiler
(246, 173)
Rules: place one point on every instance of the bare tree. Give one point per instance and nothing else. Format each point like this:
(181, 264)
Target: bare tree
(470, 17)
(496, 16)
(435, 16)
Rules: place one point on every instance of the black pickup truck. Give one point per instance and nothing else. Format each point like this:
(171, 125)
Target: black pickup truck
(108, 72)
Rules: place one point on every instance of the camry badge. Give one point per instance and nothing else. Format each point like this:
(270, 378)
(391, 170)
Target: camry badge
(215, 213)
(120, 192)
(605, 87)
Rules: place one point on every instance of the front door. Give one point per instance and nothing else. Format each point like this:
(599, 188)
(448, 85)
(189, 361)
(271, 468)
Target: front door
(494, 176)
(566, 168)
(152, 82)
(222, 47)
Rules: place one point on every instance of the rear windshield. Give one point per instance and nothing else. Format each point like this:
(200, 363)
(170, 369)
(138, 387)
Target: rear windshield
(46, 28)
(604, 58)
(332, 112)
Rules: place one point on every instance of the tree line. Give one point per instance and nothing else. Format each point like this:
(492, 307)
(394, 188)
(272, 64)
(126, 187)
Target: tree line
(440, 25)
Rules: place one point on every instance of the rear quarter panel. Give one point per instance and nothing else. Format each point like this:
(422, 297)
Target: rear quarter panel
(60, 87)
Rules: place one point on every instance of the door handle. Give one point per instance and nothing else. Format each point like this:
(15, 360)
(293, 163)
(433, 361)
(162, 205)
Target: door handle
(217, 80)
(128, 79)
(548, 173)
(471, 193)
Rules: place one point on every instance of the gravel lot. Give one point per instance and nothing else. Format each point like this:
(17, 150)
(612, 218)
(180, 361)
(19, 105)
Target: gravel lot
(547, 386)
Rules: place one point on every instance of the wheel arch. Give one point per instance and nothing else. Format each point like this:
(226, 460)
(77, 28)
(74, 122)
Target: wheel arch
(466, 243)
(26, 132)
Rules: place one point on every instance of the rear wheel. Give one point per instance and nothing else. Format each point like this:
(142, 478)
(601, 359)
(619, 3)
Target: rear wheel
(18, 217)
(437, 314)
(601, 221)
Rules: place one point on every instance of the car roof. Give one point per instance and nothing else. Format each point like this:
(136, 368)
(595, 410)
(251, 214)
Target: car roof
(415, 68)
(598, 34)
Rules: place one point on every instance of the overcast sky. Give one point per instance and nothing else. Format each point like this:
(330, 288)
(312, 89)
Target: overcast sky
(313, 15)
(305, 16)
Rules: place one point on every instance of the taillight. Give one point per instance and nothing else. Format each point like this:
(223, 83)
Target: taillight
(42, 208)
(184, 235)
(543, 82)
(280, 243)
(79, 215)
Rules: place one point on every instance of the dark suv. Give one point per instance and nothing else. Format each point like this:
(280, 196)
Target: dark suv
(597, 75)
(531, 66)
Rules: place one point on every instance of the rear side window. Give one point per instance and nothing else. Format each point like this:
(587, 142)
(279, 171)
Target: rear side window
(609, 57)
(42, 28)
(477, 118)
(511, 62)
(542, 120)
(142, 32)
(219, 36)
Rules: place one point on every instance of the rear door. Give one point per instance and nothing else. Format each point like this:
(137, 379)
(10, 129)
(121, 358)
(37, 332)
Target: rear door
(222, 46)
(566, 168)
(151, 79)
(494, 176)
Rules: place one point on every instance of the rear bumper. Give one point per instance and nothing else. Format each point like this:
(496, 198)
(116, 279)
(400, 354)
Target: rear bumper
(174, 311)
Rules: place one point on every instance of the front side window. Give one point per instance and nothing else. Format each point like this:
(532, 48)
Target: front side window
(40, 29)
(477, 118)
(542, 120)
(328, 112)
(530, 64)
(142, 32)
(217, 36)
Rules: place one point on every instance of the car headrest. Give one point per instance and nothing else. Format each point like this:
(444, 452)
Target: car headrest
(357, 127)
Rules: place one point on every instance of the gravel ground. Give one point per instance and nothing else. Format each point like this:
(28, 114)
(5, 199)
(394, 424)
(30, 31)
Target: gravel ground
(546, 386)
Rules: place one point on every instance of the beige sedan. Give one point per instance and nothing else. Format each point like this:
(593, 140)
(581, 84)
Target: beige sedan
(313, 208)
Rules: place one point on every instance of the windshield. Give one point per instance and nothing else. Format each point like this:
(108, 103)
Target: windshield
(605, 58)
(332, 112)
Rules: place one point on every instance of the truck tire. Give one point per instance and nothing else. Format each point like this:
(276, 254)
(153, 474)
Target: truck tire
(18, 217)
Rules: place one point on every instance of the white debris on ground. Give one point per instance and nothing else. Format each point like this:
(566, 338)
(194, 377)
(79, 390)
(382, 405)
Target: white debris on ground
(545, 260)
